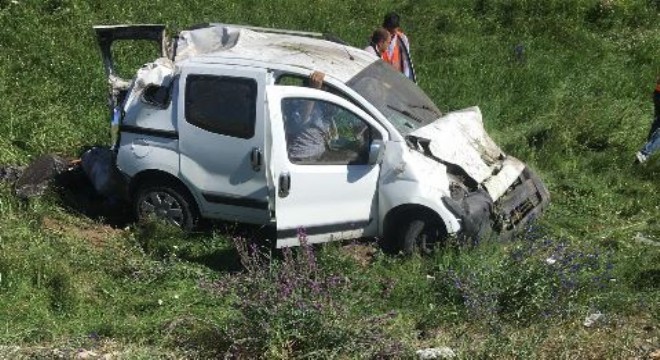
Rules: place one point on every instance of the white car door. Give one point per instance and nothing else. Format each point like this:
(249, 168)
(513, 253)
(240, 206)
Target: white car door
(325, 188)
(221, 131)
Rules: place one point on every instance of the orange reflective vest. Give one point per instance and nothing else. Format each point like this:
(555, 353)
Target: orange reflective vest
(395, 59)
(386, 57)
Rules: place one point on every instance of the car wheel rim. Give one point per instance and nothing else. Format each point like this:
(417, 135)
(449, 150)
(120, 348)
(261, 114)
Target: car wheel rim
(162, 205)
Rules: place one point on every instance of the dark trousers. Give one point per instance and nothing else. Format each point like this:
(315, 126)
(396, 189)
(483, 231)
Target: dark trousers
(656, 118)
(654, 127)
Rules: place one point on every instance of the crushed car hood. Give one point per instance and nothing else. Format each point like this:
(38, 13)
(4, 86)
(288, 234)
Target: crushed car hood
(459, 138)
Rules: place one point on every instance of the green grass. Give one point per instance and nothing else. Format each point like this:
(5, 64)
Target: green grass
(576, 108)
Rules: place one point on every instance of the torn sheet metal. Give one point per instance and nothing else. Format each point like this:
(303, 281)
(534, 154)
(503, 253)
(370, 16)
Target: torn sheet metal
(118, 84)
(106, 35)
(98, 163)
(160, 74)
(499, 183)
(460, 138)
(157, 73)
(227, 42)
(206, 40)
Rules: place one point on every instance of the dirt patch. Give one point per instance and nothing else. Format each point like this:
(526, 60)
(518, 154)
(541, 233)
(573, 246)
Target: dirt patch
(362, 253)
(96, 234)
(92, 348)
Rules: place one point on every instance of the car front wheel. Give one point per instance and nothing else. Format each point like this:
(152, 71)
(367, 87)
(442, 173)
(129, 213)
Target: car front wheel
(419, 233)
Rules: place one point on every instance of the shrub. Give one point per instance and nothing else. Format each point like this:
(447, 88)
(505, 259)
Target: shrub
(537, 278)
(291, 307)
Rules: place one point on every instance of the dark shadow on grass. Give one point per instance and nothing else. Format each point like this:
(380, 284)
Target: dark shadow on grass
(593, 142)
(537, 138)
(648, 280)
(225, 260)
(77, 194)
(55, 175)
(649, 171)
(228, 259)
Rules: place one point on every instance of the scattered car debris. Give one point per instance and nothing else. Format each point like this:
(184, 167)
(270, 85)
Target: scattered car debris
(10, 173)
(38, 176)
(640, 238)
(98, 164)
(87, 186)
(593, 319)
(436, 353)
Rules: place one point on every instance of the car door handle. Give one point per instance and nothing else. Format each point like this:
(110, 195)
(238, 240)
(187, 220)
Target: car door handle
(285, 185)
(256, 159)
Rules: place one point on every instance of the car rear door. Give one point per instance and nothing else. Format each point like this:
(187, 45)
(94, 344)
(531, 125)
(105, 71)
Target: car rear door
(329, 196)
(221, 132)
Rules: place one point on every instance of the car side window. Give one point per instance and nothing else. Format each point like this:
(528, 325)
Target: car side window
(291, 80)
(222, 105)
(322, 133)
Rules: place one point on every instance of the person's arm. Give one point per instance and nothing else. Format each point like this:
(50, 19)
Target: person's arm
(407, 66)
(405, 41)
(315, 82)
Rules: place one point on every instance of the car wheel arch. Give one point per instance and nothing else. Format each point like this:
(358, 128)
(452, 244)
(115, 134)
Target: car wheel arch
(403, 212)
(159, 177)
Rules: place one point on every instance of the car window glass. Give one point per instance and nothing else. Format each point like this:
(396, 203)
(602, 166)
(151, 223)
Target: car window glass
(301, 81)
(400, 100)
(322, 133)
(223, 105)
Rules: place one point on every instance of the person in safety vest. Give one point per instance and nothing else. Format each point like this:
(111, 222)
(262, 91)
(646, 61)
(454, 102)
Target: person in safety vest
(398, 53)
(378, 43)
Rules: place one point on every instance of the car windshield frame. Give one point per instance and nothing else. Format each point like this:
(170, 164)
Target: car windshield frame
(399, 99)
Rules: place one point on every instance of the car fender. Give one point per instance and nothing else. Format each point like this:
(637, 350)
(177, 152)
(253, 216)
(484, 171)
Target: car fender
(409, 178)
(139, 154)
(407, 193)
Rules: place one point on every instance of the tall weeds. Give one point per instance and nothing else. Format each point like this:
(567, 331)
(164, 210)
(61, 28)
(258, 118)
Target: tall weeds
(289, 306)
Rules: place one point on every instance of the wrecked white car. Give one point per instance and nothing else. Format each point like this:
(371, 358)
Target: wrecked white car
(212, 130)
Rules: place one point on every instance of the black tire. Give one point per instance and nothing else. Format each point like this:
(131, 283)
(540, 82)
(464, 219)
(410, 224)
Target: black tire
(419, 233)
(166, 202)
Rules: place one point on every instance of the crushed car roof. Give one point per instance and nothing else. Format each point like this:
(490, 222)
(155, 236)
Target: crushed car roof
(223, 43)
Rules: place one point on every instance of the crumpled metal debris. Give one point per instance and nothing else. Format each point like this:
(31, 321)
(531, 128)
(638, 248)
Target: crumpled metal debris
(99, 166)
(436, 353)
(91, 186)
(36, 178)
(10, 173)
(593, 319)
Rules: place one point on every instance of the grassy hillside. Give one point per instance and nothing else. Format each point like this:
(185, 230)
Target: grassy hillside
(573, 102)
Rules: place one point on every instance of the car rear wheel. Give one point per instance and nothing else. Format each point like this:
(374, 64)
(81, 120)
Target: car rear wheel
(168, 203)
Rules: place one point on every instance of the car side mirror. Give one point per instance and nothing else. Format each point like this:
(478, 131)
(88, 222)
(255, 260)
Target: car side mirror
(376, 150)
